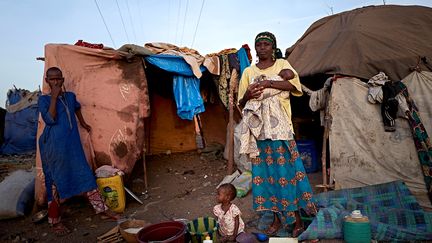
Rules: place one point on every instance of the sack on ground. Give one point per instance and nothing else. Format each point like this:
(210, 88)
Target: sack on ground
(17, 194)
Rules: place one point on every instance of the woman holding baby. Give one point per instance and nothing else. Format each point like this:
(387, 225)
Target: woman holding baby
(279, 180)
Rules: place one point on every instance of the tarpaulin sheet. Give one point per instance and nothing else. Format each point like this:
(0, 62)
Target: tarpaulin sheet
(172, 64)
(186, 86)
(188, 98)
(361, 152)
(190, 56)
(114, 99)
(364, 41)
(21, 122)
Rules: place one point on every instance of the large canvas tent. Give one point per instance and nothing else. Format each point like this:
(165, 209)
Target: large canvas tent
(358, 44)
(365, 41)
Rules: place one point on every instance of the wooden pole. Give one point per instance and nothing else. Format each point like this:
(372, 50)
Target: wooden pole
(324, 156)
(145, 149)
(327, 123)
(230, 142)
(145, 171)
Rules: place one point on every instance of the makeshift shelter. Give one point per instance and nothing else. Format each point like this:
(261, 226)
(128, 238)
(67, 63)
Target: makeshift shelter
(117, 101)
(20, 122)
(173, 74)
(175, 94)
(358, 44)
(114, 100)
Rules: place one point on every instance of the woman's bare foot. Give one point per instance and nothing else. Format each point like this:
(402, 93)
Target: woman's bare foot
(110, 215)
(60, 229)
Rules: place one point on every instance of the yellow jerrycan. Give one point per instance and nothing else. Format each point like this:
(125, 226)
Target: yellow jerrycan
(113, 192)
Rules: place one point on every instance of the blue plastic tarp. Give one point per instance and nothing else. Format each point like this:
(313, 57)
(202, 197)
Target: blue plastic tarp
(20, 127)
(186, 86)
(187, 95)
(14, 96)
(172, 64)
(243, 59)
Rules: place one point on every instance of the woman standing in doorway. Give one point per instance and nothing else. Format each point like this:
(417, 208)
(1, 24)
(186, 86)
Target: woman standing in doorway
(279, 180)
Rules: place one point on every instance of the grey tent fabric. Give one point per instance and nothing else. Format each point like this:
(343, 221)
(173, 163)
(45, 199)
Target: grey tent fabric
(365, 41)
(420, 88)
(361, 152)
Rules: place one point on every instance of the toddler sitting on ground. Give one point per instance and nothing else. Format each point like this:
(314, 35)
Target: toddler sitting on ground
(231, 225)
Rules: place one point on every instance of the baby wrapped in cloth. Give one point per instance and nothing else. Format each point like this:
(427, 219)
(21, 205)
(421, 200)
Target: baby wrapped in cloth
(264, 118)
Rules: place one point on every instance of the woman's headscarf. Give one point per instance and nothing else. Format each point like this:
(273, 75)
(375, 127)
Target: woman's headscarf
(267, 36)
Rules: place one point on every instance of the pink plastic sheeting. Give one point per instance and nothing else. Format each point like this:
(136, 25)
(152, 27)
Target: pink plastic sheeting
(114, 99)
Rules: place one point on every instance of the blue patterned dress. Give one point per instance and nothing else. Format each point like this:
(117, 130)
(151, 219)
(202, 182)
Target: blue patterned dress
(63, 161)
(279, 181)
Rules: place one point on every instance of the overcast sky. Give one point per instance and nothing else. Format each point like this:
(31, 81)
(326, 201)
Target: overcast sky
(27, 25)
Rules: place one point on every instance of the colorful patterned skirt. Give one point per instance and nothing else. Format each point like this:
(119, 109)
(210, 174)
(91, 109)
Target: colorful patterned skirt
(279, 180)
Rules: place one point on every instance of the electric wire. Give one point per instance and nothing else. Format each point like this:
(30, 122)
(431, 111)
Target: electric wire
(106, 26)
(178, 20)
(169, 19)
(121, 17)
(196, 27)
(141, 18)
(130, 18)
(184, 22)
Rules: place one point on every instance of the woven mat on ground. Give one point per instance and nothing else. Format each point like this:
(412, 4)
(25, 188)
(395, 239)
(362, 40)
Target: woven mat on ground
(392, 210)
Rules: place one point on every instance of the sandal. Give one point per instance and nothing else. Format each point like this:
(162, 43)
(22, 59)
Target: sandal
(60, 229)
(274, 227)
(272, 230)
(297, 231)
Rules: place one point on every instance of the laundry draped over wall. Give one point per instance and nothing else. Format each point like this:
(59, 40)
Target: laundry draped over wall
(186, 86)
(230, 59)
(184, 62)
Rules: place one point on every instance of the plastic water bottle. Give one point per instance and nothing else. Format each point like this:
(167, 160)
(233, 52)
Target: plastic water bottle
(207, 240)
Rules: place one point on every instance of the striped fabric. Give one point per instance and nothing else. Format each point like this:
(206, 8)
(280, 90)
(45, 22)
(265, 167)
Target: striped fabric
(201, 227)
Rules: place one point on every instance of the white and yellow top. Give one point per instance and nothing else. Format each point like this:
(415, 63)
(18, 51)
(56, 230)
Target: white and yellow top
(250, 73)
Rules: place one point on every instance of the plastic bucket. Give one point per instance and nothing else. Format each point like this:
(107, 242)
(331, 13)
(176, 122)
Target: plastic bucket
(308, 155)
(166, 232)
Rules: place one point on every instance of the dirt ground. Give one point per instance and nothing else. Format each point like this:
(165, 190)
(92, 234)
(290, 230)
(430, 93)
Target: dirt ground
(180, 186)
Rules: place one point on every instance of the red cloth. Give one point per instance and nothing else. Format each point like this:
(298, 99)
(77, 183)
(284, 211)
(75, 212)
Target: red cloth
(89, 45)
(246, 47)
